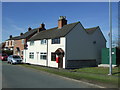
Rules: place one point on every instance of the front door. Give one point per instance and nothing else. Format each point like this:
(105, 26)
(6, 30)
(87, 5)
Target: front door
(60, 64)
(60, 53)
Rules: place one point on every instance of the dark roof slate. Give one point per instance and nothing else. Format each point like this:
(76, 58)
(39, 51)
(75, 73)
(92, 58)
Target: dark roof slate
(28, 33)
(13, 38)
(54, 32)
(91, 30)
(25, 35)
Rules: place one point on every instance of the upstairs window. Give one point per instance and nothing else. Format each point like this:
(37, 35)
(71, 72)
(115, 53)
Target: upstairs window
(23, 41)
(43, 56)
(8, 43)
(12, 43)
(31, 43)
(31, 55)
(44, 41)
(56, 41)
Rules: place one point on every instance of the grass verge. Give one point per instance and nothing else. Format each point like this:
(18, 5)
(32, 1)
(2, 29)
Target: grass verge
(99, 70)
(80, 75)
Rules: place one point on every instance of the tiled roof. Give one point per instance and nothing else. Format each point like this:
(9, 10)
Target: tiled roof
(13, 38)
(25, 35)
(91, 30)
(54, 32)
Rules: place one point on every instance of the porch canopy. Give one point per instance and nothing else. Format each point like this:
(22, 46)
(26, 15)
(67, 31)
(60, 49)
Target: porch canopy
(59, 51)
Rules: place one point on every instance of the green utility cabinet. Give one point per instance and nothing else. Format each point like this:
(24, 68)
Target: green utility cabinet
(115, 56)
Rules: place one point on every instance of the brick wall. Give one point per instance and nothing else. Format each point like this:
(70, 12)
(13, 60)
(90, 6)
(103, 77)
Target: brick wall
(20, 45)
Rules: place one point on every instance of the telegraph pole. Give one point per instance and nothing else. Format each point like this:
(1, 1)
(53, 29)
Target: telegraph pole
(110, 36)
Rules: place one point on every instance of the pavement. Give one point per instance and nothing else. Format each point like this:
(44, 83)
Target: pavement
(17, 76)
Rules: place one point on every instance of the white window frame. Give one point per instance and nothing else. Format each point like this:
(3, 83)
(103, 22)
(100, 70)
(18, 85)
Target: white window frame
(43, 42)
(55, 40)
(6, 43)
(31, 55)
(43, 55)
(31, 43)
(12, 42)
(23, 41)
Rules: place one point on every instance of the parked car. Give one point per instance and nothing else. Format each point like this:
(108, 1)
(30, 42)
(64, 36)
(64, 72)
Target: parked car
(14, 59)
(3, 57)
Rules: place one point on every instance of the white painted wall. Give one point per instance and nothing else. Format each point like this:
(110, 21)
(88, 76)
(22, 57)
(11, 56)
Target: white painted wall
(37, 47)
(53, 48)
(6, 43)
(79, 45)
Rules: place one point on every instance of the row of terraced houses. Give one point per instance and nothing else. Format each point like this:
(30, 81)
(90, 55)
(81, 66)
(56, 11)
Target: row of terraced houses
(73, 45)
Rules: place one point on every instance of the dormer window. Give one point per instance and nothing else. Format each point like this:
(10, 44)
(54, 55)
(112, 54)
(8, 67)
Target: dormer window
(56, 41)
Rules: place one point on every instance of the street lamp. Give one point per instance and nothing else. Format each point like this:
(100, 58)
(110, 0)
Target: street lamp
(110, 36)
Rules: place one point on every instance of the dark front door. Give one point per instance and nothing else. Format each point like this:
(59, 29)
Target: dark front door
(60, 64)
(60, 53)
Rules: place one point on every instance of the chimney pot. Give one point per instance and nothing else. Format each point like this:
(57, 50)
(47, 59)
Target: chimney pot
(41, 28)
(29, 28)
(10, 36)
(62, 21)
(21, 34)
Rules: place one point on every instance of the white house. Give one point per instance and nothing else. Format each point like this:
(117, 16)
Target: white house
(9, 43)
(72, 43)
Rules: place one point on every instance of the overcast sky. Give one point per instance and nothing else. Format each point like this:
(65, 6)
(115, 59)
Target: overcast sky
(17, 17)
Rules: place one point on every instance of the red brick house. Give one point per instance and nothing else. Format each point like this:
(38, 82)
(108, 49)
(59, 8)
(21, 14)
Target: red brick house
(9, 43)
(21, 41)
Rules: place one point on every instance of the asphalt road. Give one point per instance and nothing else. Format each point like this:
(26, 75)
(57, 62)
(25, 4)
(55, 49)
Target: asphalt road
(16, 76)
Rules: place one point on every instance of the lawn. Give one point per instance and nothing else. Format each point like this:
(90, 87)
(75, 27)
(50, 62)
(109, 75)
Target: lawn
(99, 70)
(92, 74)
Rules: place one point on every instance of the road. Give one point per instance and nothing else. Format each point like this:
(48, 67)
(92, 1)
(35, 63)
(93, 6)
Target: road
(17, 76)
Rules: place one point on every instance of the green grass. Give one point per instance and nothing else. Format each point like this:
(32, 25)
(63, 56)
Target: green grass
(99, 70)
(94, 74)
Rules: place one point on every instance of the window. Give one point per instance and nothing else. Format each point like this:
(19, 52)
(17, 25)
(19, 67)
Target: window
(31, 43)
(11, 43)
(56, 41)
(8, 43)
(31, 55)
(44, 41)
(53, 56)
(43, 56)
(22, 41)
(22, 52)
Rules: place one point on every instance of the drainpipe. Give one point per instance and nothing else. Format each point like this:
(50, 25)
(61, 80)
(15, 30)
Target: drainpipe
(47, 53)
(25, 55)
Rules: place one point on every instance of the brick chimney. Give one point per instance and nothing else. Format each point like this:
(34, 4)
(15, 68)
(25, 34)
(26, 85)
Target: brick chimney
(62, 21)
(29, 28)
(21, 34)
(10, 36)
(41, 28)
